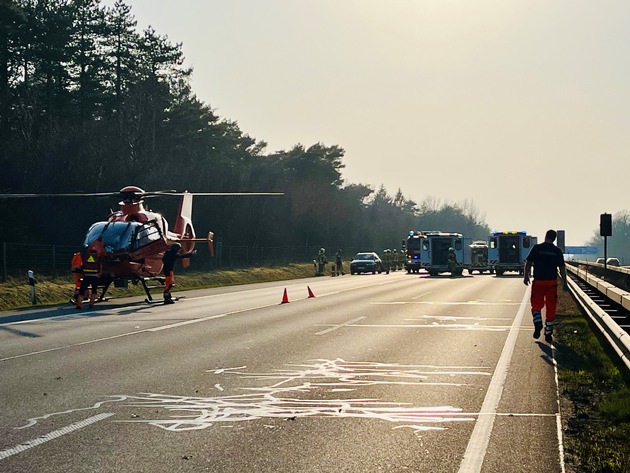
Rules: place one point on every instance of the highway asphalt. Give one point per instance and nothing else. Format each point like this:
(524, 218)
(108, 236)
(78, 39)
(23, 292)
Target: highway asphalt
(398, 372)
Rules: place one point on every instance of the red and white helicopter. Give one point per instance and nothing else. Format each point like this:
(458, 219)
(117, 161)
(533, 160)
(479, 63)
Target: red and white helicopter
(132, 240)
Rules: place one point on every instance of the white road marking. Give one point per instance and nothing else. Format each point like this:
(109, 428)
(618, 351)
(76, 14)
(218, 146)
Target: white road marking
(502, 328)
(478, 443)
(421, 295)
(48, 350)
(53, 435)
(558, 415)
(501, 304)
(451, 317)
(345, 324)
(204, 319)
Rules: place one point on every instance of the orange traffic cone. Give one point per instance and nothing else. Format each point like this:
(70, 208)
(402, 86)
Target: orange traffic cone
(285, 298)
(310, 293)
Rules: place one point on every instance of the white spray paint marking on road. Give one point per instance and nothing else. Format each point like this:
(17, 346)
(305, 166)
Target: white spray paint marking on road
(299, 391)
(285, 398)
(478, 443)
(53, 435)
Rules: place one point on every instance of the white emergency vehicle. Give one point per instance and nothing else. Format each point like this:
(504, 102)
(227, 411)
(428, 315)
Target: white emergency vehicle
(434, 252)
(479, 257)
(507, 251)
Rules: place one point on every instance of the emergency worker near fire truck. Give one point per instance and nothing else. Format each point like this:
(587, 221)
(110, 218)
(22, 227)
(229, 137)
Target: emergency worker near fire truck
(91, 267)
(320, 262)
(387, 260)
(394, 260)
(547, 260)
(452, 262)
(339, 263)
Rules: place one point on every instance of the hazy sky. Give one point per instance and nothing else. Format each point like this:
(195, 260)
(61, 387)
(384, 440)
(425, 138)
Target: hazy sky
(520, 106)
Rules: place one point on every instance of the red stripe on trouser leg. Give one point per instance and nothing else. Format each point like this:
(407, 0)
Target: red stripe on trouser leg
(545, 294)
(168, 283)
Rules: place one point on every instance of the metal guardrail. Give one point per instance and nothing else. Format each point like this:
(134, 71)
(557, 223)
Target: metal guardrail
(618, 338)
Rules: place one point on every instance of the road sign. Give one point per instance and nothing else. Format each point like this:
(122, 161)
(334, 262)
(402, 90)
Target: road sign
(581, 250)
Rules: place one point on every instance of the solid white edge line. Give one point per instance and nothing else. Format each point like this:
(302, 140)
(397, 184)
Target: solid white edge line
(52, 435)
(478, 443)
(559, 414)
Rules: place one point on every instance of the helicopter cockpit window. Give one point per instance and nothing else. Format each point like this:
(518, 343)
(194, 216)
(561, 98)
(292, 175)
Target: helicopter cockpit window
(117, 236)
(145, 234)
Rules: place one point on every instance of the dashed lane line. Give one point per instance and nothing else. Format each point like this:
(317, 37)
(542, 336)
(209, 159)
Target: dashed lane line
(345, 324)
(52, 435)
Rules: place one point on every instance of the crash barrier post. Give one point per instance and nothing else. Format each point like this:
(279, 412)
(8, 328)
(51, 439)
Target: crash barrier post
(31, 283)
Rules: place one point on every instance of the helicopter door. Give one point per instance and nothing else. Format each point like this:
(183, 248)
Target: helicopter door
(147, 241)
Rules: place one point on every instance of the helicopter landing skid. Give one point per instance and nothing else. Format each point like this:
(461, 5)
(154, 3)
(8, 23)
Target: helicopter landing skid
(73, 301)
(161, 301)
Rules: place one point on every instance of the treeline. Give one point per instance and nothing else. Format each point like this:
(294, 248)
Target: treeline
(90, 104)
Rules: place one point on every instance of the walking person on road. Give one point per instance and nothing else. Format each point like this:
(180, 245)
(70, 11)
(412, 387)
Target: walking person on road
(547, 259)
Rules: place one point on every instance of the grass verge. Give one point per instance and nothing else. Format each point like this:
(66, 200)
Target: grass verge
(595, 392)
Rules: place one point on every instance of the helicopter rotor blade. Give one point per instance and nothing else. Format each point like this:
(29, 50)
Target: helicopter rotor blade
(87, 194)
(225, 193)
(139, 194)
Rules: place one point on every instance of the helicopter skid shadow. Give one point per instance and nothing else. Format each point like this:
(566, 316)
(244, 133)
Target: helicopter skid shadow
(61, 313)
(20, 333)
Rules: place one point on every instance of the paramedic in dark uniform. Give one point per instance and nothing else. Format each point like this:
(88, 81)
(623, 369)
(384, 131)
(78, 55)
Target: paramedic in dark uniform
(168, 261)
(547, 259)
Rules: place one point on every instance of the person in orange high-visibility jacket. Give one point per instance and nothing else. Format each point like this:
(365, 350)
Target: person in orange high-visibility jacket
(91, 273)
(77, 272)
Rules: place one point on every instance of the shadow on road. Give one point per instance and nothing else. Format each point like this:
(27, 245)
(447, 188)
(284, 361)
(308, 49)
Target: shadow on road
(547, 353)
(20, 333)
(67, 311)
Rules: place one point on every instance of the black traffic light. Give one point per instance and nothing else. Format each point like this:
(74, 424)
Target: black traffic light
(605, 225)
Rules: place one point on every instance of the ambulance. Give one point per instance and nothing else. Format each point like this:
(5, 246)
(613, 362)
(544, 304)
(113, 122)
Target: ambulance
(507, 251)
(434, 252)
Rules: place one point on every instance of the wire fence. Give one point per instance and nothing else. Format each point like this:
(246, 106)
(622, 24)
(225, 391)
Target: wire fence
(16, 259)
